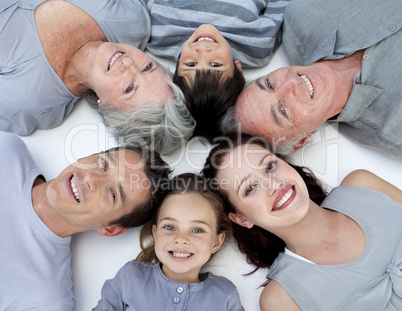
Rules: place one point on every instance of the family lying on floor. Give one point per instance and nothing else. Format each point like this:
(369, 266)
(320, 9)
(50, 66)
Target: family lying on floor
(325, 251)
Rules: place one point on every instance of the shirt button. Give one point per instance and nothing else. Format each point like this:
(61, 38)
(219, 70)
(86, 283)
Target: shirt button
(176, 299)
(180, 290)
(366, 57)
(392, 27)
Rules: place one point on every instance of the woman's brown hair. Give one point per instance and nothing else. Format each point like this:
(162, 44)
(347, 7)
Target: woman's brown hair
(260, 246)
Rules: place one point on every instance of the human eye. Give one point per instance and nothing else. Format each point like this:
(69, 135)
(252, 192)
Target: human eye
(103, 164)
(168, 227)
(113, 194)
(249, 190)
(198, 230)
(216, 64)
(148, 67)
(129, 89)
(283, 112)
(269, 84)
(190, 64)
(271, 166)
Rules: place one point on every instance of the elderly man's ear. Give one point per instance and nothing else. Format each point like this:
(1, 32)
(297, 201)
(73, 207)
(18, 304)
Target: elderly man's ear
(302, 142)
(112, 230)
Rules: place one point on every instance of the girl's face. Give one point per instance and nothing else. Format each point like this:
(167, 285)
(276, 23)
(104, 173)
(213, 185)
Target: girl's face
(265, 190)
(125, 77)
(185, 236)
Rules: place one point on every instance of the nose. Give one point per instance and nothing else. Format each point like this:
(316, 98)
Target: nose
(125, 63)
(290, 86)
(92, 180)
(181, 238)
(271, 183)
(202, 48)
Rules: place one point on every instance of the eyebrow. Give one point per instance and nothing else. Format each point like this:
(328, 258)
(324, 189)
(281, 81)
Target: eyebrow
(175, 220)
(248, 176)
(122, 195)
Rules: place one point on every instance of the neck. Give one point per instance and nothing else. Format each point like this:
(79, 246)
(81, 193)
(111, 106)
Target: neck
(344, 70)
(45, 212)
(307, 236)
(78, 73)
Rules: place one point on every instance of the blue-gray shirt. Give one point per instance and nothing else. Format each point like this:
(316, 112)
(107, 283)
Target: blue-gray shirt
(32, 96)
(35, 270)
(251, 27)
(314, 30)
(372, 282)
(142, 286)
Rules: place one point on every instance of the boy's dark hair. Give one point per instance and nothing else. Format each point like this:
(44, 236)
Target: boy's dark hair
(208, 97)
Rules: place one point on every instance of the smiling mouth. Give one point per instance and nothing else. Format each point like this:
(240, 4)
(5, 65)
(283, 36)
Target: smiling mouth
(74, 189)
(115, 56)
(309, 85)
(285, 198)
(180, 255)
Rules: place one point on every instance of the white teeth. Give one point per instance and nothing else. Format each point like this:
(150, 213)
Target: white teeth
(309, 86)
(181, 255)
(284, 199)
(113, 59)
(205, 39)
(75, 190)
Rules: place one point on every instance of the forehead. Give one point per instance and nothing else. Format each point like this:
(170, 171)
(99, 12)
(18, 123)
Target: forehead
(187, 207)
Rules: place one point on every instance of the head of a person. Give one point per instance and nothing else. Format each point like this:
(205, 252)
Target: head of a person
(264, 195)
(209, 78)
(286, 106)
(208, 96)
(149, 110)
(189, 226)
(108, 192)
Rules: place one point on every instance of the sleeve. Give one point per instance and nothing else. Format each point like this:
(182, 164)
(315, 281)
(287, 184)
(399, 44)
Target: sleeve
(233, 301)
(112, 293)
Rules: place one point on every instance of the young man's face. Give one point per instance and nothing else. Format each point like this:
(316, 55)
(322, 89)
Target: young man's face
(206, 49)
(99, 189)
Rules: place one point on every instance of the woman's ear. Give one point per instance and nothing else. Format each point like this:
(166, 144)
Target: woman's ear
(218, 242)
(153, 231)
(240, 220)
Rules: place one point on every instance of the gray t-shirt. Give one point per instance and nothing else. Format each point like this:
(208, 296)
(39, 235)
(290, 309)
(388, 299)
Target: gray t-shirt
(373, 281)
(32, 96)
(142, 286)
(35, 270)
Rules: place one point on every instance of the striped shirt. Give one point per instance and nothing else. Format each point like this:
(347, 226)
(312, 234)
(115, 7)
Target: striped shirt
(251, 27)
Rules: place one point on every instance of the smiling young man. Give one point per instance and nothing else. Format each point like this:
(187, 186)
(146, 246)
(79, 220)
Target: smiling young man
(107, 192)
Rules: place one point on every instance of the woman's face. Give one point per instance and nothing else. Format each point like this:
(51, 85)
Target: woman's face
(265, 190)
(124, 77)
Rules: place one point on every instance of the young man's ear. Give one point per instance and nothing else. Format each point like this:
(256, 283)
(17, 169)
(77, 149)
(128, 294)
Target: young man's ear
(240, 220)
(112, 230)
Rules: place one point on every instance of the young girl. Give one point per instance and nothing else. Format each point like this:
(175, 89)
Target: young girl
(188, 228)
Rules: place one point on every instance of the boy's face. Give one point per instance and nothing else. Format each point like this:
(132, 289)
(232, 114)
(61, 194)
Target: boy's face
(206, 49)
